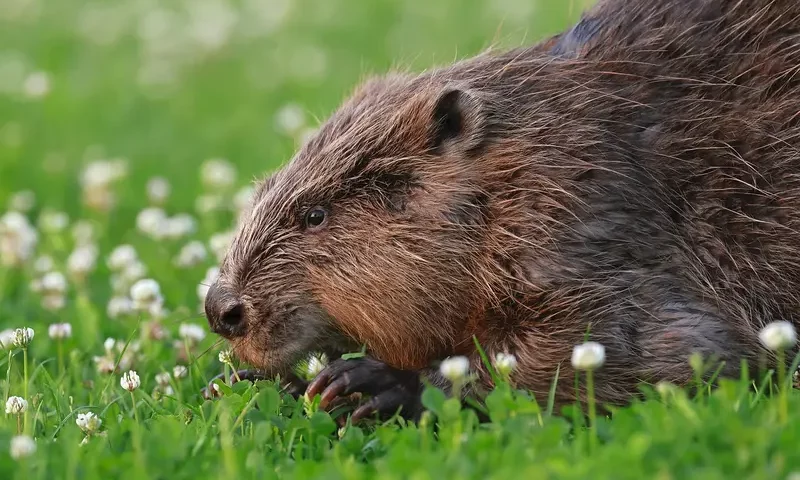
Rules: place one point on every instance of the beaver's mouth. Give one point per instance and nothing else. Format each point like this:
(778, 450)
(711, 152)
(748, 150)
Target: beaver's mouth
(308, 331)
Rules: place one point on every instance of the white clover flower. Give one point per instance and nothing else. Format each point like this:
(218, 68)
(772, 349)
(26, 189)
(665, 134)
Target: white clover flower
(154, 329)
(179, 371)
(18, 239)
(211, 24)
(779, 335)
(191, 254)
(53, 282)
(152, 221)
(99, 199)
(52, 221)
(202, 288)
(217, 174)
(505, 363)
(52, 286)
(179, 226)
(36, 85)
(209, 202)
(124, 280)
(454, 368)
(44, 264)
(13, 221)
(588, 356)
(130, 381)
(109, 344)
(162, 379)
(226, 357)
(144, 293)
(82, 260)
(101, 174)
(191, 332)
(257, 20)
(83, 232)
(243, 197)
(121, 257)
(53, 302)
(23, 337)
(104, 364)
(119, 306)
(22, 201)
(59, 331)
(133, 346)
(119, 286)
(7, 338)
(202, 291)
(158, 190)
(219, 244)
(22, 446)
(88, 422)
(290, 119)
(157, 311)
(16, 405)
(125, 361)
(315, 365)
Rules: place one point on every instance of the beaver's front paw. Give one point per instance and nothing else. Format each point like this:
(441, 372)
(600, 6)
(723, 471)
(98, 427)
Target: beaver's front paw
(390, 389)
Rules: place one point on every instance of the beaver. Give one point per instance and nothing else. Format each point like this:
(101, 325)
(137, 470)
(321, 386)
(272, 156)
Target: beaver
(634, 179)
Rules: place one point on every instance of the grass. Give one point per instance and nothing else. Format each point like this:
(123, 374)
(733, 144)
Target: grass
(167, 85)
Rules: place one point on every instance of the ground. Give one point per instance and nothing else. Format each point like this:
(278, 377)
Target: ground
(129, 134)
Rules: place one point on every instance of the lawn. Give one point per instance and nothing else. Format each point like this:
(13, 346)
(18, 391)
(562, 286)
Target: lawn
(130, 134)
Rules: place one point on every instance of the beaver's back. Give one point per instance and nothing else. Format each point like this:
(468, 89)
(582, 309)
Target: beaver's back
(692, 109)
(717, 129)
(668, 130)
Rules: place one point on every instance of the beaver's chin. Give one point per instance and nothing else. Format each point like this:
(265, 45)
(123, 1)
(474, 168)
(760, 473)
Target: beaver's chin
(275, 361)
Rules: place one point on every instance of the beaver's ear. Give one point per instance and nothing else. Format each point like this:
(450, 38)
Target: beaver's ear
(459, 121)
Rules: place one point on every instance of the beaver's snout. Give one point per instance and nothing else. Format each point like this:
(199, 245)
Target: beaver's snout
(225, 312)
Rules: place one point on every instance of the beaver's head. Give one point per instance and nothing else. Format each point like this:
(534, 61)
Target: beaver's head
(372, 235)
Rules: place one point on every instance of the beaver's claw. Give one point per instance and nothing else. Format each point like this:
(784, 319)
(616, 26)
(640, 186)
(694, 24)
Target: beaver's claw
(292, 384)
(390, 389)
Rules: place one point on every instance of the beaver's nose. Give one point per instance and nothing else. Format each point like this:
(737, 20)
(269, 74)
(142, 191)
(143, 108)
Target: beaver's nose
(224, 312)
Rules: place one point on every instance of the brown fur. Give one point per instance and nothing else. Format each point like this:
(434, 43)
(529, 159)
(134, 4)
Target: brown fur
(637, 176)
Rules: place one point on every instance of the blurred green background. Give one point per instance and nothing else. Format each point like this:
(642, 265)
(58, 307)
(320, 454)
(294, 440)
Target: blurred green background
(168, 84)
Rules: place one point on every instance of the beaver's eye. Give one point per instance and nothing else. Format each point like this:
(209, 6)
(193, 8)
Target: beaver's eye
(315, 217)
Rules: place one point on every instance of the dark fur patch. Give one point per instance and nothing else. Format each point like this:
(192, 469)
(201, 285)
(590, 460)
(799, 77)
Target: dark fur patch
(388, 190)
(470, 210)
